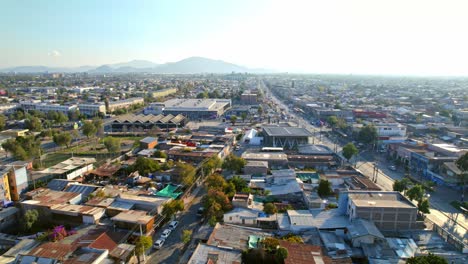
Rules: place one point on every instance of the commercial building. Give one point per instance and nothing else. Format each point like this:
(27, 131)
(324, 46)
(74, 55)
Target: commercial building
(196, 108)
(148, 143)
(390, 129)
(286, 137)
(248, 98)
(390, 211)
(45, 108)
(132, 122)
(124, 104)
(92, 109)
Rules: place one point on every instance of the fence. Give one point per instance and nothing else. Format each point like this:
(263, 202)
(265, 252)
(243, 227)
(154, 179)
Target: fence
(448, 236)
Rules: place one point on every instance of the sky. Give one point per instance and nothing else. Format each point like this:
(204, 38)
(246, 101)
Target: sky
(409, 37)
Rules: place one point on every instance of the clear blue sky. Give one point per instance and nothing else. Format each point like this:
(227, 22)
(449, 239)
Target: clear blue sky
(336, 36)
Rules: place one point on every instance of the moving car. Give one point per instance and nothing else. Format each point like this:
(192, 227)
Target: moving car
(173, 225)
(165, 234)
(159, 243)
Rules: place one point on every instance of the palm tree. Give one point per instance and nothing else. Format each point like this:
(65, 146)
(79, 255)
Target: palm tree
(462, 164)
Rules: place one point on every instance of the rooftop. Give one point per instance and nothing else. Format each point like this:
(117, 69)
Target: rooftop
(196, 104)
(133, 217)
(210, 254)
(304, 254)
(287, 132)
(379, 199)
(68, 165)
(235, 237)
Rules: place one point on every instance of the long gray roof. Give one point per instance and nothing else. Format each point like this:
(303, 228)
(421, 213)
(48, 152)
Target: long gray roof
(287, 132)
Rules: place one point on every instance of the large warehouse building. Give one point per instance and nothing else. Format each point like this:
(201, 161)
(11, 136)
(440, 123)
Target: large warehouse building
(196, 108)
(286, 137)
(132, 122)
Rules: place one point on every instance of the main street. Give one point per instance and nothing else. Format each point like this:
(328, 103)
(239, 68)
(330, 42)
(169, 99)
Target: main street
(442, 213)
(171, 251)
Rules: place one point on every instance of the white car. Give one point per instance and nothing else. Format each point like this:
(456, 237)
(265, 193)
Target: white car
(159, 243)
(173, 225)
(165, 234)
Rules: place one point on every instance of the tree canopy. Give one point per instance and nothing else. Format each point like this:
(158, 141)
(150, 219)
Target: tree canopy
(234, 163)
(63, 139)
(324, 188)
(349, 150)
(112, 144)
(429, 259)
(368, 134)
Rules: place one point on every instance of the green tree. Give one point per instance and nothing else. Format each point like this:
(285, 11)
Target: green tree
(270, 243)
(368, 134)
(202, 95)
(423, 206)
(234, 163)
(186, 236)
(239, 183)
(445, 113)
(112, 144)
(462, 164)
(62, 139)
(260, 110)
(270, 208)
(324, 189)
(215, 181)
(243, 116)
(160, 154)
(281, 253)
(349, 150)
(332, 120)
(144, 166)
(142, 244)
(293, 238)
(186, 173)
(233, 119)
(61, 118)
(429, 259)
(416, 193)
(33, 124)
(89, 129)
(211, 164)
(216, 203)
(30, 218)
(99, 125)
(2, 122)
(402, 185)
(172, 207)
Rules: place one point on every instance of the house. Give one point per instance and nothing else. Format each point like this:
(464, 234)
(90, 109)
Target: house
(256, 167)
(242, 200)
(148, 143)
(242, 216)
(274, 159)
(299, 253)
(73, 214)
(211, 254)
(135, 221)
(363, 232)
(234, 237)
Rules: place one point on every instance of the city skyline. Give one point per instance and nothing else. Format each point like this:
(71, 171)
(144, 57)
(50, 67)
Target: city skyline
(357, 37)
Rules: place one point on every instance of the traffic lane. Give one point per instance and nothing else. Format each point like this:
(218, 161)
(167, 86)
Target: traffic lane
(172, 248)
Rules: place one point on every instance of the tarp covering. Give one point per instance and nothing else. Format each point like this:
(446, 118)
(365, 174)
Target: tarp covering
(169, 191)
(253, 241)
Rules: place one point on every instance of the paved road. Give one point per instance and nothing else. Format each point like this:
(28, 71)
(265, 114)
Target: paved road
(172, 248)
(442, 213)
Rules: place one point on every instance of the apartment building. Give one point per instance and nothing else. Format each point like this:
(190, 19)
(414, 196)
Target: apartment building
(92, 109)
(121, 104)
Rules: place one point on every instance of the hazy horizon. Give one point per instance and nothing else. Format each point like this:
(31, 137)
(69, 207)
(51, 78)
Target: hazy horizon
(338, 36)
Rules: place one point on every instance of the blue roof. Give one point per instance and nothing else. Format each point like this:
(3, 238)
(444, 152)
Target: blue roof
(58, 184)
(85, 190)
(148, 139)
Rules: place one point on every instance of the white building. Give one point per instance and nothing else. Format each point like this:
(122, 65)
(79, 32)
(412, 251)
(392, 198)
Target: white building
(390, 129)
(125, 103)
(92, 109)
(45, 108)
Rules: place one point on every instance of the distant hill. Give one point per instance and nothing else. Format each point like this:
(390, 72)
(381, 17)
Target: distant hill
(185, 66)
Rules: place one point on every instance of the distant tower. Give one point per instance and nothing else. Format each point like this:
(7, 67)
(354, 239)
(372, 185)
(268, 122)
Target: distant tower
(292, 84)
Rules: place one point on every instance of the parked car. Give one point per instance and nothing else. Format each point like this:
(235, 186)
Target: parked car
(159, 243)
(173, 225)
(165, 234)
(200, 211)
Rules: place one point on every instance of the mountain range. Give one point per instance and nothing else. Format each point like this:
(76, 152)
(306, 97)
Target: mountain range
(185, 66)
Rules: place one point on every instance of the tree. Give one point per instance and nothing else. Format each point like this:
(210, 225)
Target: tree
(239, 183)
(112, 144)
(159, 154)
(281, 253)
(145, 166)
(349, 150)
(33, 124)
(293, 238)
(332, 120)
(211, 164)
(172, 207)
(234, 163)
(429, 259)
(202, 95)
(98, 124)
(444, 113)
(216, 203)
(215, 181)
(62, 139)
(368, 134)
(260, 110)
(402, 185)
(142, 244)
(186, 236)
(89, 129)
(462, 164)
(243, 116)
(186, 173)
(270, 243)
(324, 188)
(423, 206)
(61, 118)
(30, 218)
(270, 208)
(233, 119)
(2, 122)
(416, 193)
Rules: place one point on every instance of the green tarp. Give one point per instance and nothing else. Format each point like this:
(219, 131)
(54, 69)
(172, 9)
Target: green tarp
(169, 191)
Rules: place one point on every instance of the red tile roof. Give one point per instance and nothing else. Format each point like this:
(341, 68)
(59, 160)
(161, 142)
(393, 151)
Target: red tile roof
(52, 250)
(303, 253)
